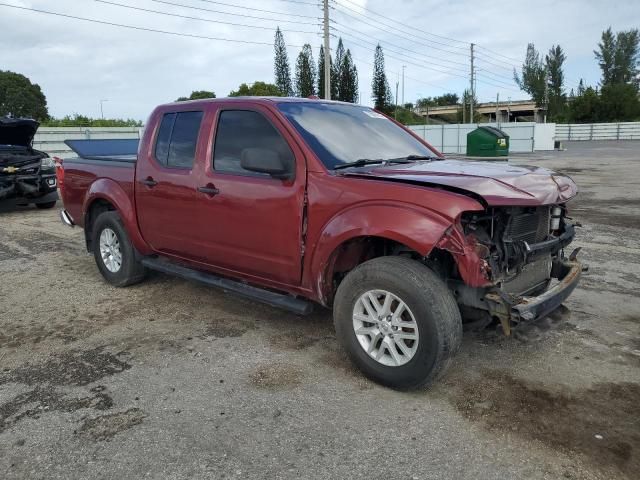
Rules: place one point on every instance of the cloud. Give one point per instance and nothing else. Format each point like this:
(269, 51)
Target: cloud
(78, 63)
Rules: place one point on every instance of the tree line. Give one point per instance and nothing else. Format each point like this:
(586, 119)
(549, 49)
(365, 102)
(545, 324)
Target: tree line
(615, 99)
(19, 97)
(308, 78)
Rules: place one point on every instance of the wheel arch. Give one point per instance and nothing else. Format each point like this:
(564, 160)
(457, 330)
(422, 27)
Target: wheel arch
(107, 195)
(367, 232)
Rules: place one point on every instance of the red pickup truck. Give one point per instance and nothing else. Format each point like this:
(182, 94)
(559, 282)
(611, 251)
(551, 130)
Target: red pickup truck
(300, 201)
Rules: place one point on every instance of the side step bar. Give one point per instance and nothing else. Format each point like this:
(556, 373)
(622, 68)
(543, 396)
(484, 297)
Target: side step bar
(286, 302)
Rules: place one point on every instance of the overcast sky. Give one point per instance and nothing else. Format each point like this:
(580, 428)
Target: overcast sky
(78, 63)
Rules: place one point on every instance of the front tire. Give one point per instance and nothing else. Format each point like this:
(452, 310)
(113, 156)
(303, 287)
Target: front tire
(398, 321)
(113, 251)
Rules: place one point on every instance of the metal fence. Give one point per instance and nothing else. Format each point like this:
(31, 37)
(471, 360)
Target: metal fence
(51, 139)
(598, 131)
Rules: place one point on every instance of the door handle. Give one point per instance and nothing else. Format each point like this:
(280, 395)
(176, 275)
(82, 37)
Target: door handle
(149, 182)
(209, 189)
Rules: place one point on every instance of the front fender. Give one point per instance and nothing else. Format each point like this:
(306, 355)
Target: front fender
(418, 229)
(112, 192)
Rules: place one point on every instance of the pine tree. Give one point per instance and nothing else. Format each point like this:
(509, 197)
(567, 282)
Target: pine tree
(557, 97)
(533, 79)
(618, 56)
(281, 65)
(348, 79)
(606, 56)
(380, 92)
(336, 72)
(305, 73)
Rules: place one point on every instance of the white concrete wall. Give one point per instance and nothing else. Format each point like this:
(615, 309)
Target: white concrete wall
(51, 139)
(544, 136)
(523, 136)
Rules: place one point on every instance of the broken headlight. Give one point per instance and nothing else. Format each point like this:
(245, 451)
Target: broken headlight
(47, 164)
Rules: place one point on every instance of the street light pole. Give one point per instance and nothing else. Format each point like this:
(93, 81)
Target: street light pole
(102, 108)
(403, 67)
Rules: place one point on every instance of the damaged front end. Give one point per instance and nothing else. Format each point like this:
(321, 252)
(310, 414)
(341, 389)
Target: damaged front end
(27, 175)
(511, 264)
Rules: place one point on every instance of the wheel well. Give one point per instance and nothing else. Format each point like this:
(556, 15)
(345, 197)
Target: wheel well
(97, 207)
(352, 253)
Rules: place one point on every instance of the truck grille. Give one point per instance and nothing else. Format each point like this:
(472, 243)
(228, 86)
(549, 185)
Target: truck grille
(533, 275)
(531, 226)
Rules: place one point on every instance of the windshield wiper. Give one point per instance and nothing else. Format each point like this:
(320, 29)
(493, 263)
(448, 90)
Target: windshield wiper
(362, 162)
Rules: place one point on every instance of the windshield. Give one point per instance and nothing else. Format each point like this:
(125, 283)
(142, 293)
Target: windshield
(340, 134)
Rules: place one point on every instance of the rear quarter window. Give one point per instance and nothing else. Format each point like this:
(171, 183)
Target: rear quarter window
(178, 138)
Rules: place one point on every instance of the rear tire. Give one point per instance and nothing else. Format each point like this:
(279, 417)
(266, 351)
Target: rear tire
(414, 343)
(46, 205)
(113, 251)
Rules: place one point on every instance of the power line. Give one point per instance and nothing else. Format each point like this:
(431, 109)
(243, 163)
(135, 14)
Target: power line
(262, 27)
(406, 76)
(404, 25)
(405, 36)
(432, 34)
(202, 9)
(499, 54)
(420, 65)
(242, 7)
(352, 30)
(145, 29)
(426, 66)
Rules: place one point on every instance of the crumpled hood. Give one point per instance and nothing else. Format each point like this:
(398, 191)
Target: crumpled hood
(498, 183)
(17, 131)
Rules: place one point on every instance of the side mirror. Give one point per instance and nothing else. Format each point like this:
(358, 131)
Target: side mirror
(265, 160)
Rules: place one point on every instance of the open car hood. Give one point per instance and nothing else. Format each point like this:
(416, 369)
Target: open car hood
(498, 183)
(17, 131)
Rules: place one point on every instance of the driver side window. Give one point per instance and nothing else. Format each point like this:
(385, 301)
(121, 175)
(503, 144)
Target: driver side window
(240, 130)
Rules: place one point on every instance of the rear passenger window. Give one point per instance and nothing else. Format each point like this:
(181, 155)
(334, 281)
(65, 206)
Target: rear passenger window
(241, 129)
(178, 138)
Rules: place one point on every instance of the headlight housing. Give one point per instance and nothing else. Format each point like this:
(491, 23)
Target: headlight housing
(47, 163)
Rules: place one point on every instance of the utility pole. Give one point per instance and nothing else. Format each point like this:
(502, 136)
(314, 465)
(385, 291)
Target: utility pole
(327, 53)
(546, 94)
(497, 107)
(403, 67)
(472, 91)
(464, 109)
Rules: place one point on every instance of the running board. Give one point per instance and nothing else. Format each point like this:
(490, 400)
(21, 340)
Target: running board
(286, 302)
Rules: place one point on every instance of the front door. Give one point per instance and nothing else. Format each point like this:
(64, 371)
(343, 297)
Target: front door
(251, 223)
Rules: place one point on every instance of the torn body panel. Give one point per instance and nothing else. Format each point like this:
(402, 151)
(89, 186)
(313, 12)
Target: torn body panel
(508, 258)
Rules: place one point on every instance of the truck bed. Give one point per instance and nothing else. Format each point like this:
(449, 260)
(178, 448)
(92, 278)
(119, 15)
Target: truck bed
(99, 163)
(105, 150)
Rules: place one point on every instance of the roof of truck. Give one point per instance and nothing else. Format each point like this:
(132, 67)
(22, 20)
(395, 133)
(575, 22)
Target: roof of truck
(259, 99)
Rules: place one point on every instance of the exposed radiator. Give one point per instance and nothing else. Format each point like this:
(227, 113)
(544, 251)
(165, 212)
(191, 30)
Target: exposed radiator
(533, 275)
(529, 226)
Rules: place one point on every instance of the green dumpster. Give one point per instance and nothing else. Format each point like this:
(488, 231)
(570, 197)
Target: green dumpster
(487, 141)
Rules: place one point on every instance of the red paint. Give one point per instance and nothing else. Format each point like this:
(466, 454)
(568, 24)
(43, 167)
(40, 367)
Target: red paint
(254, 228)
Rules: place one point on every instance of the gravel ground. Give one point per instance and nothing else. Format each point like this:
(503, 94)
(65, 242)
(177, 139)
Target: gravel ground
(169, 379)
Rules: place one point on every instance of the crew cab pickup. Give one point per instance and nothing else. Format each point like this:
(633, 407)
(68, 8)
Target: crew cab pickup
(296, 202)
(27, 175)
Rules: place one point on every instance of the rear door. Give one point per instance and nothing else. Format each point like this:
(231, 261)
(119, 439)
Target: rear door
(166, 195)
(253, 223)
